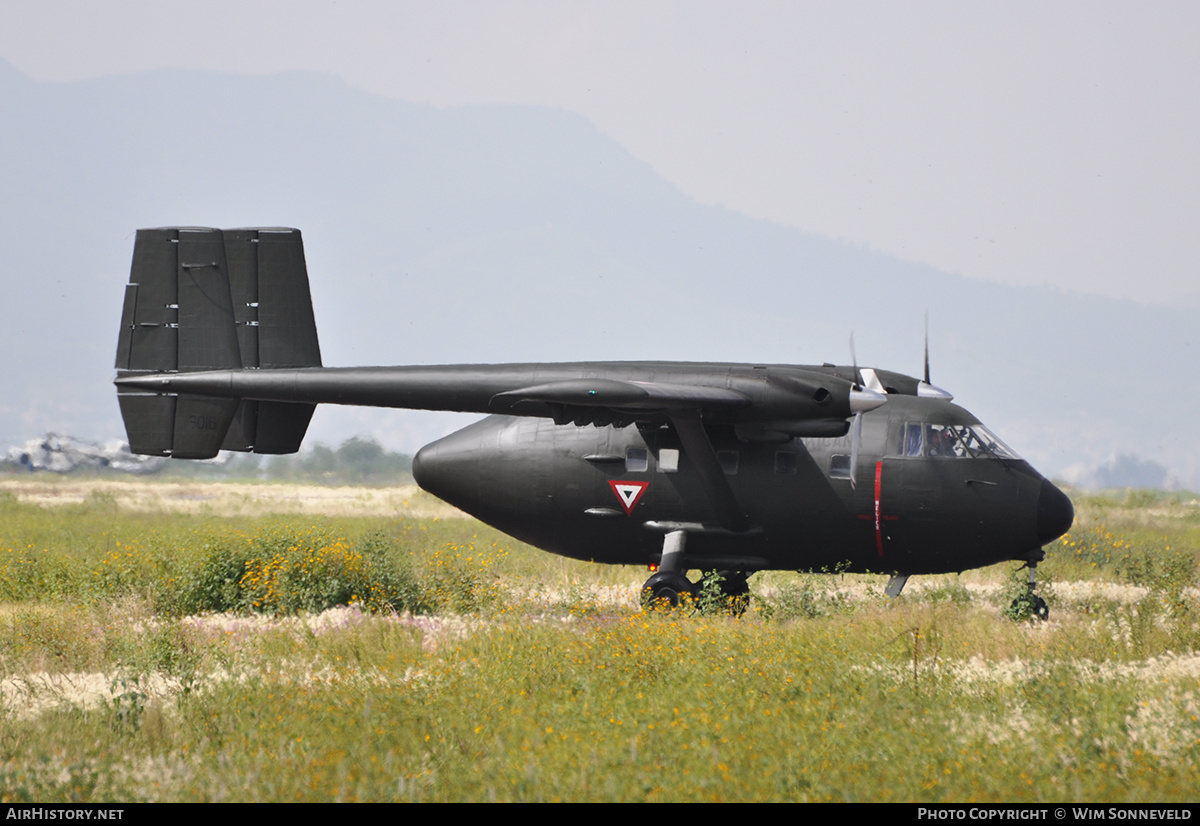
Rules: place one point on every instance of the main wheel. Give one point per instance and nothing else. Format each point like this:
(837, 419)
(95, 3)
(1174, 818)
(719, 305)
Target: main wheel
(666, 589)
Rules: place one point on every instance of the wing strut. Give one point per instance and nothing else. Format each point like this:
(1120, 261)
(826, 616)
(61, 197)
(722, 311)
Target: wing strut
(695, 441)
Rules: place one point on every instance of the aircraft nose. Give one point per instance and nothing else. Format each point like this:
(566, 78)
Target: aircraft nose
(456, 469)
(1055, 513)
(481, 469)
(423, 465)
(442, 471)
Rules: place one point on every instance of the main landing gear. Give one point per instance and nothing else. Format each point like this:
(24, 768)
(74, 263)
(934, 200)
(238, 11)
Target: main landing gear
(1029, 605)
(735, 591)
(669, 588)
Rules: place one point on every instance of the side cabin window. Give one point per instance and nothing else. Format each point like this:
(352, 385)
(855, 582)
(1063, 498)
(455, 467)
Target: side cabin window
(785, 463)
(668, 460)
(839, 466)
(729, 461)
(637, 460)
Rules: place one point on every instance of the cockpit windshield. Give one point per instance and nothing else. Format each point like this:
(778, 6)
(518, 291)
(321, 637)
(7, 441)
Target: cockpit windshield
(953, 442)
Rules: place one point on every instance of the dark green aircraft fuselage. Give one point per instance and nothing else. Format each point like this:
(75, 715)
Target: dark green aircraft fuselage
(559, 487)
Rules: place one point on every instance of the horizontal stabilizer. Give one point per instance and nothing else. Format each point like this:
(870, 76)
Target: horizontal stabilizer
(184, 426)
(268, 427)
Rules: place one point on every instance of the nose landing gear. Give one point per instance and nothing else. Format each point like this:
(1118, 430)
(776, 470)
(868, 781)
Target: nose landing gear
(1029, 605)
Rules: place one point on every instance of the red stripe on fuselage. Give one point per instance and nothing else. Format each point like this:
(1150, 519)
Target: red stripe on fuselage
(878, 521)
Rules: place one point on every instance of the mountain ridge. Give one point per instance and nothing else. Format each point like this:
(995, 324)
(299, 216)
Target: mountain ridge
(498, 233)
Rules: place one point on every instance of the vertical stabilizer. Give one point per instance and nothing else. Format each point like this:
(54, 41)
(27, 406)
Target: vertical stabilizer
(210, 299)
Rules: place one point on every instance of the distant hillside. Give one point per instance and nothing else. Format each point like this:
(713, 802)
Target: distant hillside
(510, 234)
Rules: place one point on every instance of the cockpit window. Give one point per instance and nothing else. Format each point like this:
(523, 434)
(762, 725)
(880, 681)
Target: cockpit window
(993, 443)
(914, 440)
(944, 441)
(953, 442)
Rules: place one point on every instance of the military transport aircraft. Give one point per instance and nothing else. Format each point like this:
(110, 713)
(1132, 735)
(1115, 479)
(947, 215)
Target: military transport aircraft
(735, 468)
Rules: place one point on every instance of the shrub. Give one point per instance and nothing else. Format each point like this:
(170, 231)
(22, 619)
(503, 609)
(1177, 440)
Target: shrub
(287, 572)
(460, 579)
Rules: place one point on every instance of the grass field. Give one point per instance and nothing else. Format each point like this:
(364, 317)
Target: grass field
(217, 642)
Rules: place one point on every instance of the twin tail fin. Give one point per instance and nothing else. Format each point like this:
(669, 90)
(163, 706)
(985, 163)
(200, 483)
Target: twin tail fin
(209, 299)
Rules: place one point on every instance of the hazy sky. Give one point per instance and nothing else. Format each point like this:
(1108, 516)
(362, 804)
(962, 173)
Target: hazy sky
(1025, 142)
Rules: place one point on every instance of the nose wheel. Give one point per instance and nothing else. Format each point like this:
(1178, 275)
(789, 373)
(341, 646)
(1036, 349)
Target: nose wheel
(1029, 605)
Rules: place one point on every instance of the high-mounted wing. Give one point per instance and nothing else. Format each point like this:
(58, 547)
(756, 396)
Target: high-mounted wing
(612, 402)
(218, 350)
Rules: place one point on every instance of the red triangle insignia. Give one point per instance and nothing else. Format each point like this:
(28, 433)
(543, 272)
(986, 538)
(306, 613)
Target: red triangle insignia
(629, 493)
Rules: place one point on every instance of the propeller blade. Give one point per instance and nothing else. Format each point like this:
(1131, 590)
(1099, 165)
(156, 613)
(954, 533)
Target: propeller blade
(855, 441)
(927, 346)
(925, 389)
(854, 360)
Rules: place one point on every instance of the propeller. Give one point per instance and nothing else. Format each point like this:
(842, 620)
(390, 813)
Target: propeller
(925, 389)
(856, 428)
(855, 441)
(867, 393)
(927, 346)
